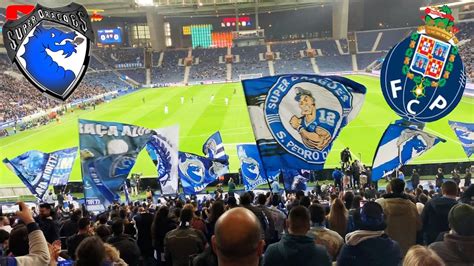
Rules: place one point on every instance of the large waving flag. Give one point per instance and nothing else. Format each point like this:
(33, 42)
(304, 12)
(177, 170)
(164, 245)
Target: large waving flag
(213, 148)
(108, 152)
(163, 150)
(398, 146)
(253, 172)
(296, 118)
(196, 172)
(465, 134)
(295, 180)
(38, 170)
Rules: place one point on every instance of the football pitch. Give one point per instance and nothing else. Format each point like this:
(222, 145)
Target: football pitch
(199, 118)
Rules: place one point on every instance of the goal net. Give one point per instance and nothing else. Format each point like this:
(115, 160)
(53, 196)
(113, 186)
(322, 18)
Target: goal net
(250, 76)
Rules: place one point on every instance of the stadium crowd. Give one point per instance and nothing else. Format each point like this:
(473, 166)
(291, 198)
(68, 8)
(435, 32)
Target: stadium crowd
(328, 225)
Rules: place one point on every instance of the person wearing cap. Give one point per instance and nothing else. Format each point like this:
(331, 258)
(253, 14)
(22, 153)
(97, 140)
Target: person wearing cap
(369, 245)
(457, 247)
(315, 127)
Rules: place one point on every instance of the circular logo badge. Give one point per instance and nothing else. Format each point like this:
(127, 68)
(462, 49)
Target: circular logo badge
(305, 114)
(422, 78)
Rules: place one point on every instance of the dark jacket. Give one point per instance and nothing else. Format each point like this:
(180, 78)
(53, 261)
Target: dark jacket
(183, 242)
(435, 217)
(160, 231)
(69, 228)
(127, 247)
(49, 227)
(296, 250)
(455, 250)
(380, 250)
(143, 222)
(73, 242)
(207, 258)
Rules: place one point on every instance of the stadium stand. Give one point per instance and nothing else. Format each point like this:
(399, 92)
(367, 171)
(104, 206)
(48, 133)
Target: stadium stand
(366, 40)
(334, 63)
(208, 67)
(391, 37)
(328, 47)
(249, 61)
(365, 59)
(169, 71)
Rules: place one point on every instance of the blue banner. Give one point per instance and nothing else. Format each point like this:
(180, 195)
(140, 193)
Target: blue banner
(296, 118)
(38, 170)
(163, 150)
(108, 152)
(465, 134)
(213, 148)
(295, 180)
(398, 146)
(196, 172)
(252, 170)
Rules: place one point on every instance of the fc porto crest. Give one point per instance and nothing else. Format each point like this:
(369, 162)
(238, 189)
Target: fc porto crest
(423, 77)
(50, 46)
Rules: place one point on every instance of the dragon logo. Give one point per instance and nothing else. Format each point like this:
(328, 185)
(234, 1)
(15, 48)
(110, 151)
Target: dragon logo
(51, 47)
(194, 169)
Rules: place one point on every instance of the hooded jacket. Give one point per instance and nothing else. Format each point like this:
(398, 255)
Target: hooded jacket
(455, 250)
(296, 250)
(402, 218)
(435, 217)
(369, 248)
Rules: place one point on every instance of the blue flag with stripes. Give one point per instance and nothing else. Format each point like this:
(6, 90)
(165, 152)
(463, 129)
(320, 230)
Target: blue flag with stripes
(197, 172)
(38, 170)
(295, 179)
(108, 152)
(399, 145)
(251, 167)
(296, 118)
(213, 148)
(465, 134)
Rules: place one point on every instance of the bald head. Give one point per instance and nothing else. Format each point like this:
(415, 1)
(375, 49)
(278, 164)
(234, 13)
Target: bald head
(237, 238)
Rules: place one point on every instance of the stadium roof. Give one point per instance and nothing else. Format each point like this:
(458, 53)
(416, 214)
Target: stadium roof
(179, 7)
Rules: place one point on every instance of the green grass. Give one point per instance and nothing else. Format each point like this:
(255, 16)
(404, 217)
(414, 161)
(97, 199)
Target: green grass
(200, 119)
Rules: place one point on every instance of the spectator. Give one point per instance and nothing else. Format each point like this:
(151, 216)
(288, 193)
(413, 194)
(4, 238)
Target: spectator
(323, 236)
(415, 179)
(338, 217)
(403, 220)
(231, 185)
(4, 237)
(112, 256)
(271, 235)
(217, 209)
(47, 223)
(126, 245)
(143, 222)
(74, 240)
(468, 195)
(422, 256)
(5, 224)
(246, 202)
(435, 213)
(69, 227)
(103, 231)
(237, 239)
(439, 178)
(279, 217)
(337, 175)
(458, 245)
(91, 252)
(162, 224)
(369, 245)
(183, 241)
(27, 243)
(197, 222)
(467, 177)
(297, 248)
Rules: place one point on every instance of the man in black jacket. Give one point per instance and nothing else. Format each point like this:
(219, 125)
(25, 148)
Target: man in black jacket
(127, 247)
(47, 223)
(73, 241)
(435, 213)
(143, 221)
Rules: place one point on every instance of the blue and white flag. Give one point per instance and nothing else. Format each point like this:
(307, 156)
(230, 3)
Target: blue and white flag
(196, 172)
(108, 152)
(38, 170)
(295, 179)
(127, 193)
(465, 134)
(163, 150)
(296, 118)
(213, 148)
(252, 170)
(398, 146)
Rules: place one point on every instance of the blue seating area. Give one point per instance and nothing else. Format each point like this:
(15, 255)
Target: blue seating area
(122, 58)
(289, 51)
(391, 37)
(249, 54)
(334, 63)
(249, 61)
(344, 45)
(328, 47)
(170, 71)
(208, 67)
(95, 64)
(106, 79)
(364, 60)
(139, 75)
(247, 68)
(301, 66)
(366, 40)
